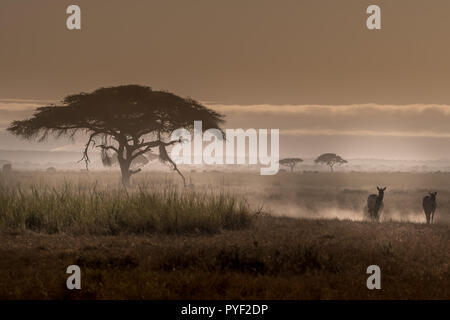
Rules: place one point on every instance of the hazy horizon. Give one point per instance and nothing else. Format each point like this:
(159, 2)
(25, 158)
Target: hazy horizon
(366, 131)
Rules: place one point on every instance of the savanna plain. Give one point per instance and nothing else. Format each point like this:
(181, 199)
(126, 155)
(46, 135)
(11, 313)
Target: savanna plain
(301, 235)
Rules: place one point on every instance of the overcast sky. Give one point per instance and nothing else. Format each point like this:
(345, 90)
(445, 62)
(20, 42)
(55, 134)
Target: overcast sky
(308, 67)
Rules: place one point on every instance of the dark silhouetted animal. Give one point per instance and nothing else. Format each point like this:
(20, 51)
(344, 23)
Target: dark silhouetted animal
(429, 206)
(375, 204)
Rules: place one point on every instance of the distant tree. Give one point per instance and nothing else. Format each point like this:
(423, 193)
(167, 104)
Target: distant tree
(3, 162)
(330, 159)
(7, 168)
(290, 162)
(128, 121)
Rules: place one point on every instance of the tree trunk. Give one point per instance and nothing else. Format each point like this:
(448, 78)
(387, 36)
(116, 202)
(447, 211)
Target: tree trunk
(126, 179)
(126, 173)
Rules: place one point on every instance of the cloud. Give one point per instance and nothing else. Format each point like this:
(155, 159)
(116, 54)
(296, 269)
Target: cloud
(15, 109)
(335, 109)
(415, 120)
(368, 130)
(72, 147)
(12, 104)
(372, 133)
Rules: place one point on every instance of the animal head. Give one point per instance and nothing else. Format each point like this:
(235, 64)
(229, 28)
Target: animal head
(381, 191)
(433, 194)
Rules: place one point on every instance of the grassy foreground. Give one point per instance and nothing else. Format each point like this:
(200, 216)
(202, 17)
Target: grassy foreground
(277, 258)
(73, 210)
(157, 241)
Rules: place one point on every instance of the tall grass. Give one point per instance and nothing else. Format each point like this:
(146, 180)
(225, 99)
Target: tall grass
(85, 209)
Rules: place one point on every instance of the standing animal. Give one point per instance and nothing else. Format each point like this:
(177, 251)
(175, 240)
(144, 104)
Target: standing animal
(429, 206)
(375, 204)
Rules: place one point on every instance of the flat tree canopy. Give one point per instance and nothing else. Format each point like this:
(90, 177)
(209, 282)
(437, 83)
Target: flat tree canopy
(126, 120)
(290, 162)
(330, 159)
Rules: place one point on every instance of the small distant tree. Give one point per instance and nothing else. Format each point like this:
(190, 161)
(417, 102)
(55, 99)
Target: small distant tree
(290, 162)
(7, 168)
(330, 159)
(126, 121)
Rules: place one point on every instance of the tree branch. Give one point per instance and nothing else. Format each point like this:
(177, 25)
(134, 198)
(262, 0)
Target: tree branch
(86, 148)
(165, 158)
(150, 145)
(157, 143)
(135, 171)
(107, 147)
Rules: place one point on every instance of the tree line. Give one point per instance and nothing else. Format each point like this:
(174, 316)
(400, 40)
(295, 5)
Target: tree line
(328, 159)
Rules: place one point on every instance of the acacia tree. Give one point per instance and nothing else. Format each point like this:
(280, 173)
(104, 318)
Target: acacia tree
(330, 159)
(290, 162)
(126, 121)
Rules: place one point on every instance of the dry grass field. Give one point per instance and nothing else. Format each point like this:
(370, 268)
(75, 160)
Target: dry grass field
(229, 236)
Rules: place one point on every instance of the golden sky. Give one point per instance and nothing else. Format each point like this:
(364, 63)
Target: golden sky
(308, 67)
(233, 52)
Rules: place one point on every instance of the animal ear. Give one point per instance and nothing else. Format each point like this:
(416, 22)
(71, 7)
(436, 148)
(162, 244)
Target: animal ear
(384, 188)
(378, 188)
